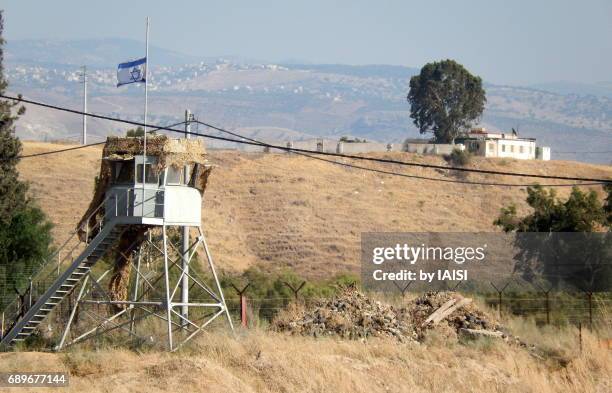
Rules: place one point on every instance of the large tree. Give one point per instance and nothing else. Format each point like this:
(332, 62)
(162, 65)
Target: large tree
(445, 99)
(24, 230)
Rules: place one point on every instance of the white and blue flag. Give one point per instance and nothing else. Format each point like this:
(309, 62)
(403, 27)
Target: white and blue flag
(132, 71)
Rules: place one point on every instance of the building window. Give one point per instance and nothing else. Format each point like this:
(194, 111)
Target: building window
(491, 147)
(152, 174)
(503, 148)
(175, 175)
(512, 149)
(124, 172)
(521, 149)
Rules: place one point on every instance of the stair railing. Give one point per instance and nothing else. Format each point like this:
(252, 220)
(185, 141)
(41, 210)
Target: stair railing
(41, 276)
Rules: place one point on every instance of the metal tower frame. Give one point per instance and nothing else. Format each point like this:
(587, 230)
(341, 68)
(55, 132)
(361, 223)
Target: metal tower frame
(126, 315)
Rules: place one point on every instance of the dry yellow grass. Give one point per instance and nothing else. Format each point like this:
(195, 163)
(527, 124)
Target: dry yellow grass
(266, 362)
(282, 210)
(289, 211)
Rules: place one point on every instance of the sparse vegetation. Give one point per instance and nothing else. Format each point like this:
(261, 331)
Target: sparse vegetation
(458, 158)
(346, 139)
(135, 132)
(269, 292)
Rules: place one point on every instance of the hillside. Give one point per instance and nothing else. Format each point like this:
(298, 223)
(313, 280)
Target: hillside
(282, 210)
(281, 101)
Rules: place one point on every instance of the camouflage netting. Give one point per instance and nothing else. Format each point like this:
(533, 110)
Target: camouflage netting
(130, 240)
(175, 152)
(169, 152)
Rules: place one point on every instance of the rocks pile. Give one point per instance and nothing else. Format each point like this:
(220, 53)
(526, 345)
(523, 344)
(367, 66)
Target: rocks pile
(351, 314)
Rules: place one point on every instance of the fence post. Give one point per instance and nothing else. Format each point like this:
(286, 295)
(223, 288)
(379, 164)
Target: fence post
(295, 290)
(243, 310)
(404, 289)
(547, 298)
(243, 304)
(457, 286)
(590, 297)
(500, 292)
(547, 307)
(580, 335)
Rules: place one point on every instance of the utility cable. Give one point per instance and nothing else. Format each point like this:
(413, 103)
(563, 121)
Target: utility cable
(371, 159)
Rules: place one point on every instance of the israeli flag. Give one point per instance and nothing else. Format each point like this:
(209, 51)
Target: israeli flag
(132, 71)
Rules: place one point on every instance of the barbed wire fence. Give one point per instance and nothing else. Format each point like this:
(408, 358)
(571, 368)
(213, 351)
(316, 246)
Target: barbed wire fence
(249, 309)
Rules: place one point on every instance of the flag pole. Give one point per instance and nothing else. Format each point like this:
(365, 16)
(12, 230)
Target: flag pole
(146, 92)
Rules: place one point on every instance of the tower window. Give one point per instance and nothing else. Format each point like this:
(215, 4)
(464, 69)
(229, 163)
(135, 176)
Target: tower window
(175, 175)
(151, 172)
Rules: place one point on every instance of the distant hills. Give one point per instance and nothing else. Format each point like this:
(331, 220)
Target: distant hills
(603, 89)
(284, 101)
(91, 52)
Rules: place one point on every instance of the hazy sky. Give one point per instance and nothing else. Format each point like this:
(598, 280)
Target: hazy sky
(514, 42)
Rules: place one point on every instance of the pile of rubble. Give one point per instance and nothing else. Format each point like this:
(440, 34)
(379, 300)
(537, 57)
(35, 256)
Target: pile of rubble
(350, 314)
(451, 313)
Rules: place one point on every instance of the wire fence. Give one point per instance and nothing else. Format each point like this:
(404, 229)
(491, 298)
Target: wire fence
(555, 308)
(249, 308)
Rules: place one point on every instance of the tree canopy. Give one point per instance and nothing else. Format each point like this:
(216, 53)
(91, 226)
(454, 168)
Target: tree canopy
(24, 230)
(581, 212)
(445, 99)
(565, 243)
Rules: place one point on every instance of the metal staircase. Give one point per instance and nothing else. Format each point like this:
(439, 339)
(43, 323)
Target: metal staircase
(24, 324)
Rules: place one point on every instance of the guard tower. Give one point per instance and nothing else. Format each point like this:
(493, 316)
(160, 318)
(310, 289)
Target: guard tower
(142, 254)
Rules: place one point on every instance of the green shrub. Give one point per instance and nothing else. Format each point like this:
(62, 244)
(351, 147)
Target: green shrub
(458, 157)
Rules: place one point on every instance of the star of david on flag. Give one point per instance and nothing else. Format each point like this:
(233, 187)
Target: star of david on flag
(132, 72)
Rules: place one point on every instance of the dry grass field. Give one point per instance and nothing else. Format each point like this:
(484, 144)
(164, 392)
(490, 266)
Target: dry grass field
(280, 210)
(259, 361)
(287, 211)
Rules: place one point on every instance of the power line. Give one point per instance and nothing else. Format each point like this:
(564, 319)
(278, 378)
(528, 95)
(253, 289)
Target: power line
(403, 174)
(85, 146)
(290, 149)
(583, 152)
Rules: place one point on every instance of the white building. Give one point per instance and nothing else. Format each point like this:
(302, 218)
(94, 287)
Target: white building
(484, 143)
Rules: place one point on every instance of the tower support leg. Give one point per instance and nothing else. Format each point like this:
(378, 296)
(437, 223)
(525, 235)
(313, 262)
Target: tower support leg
(214, 272)
(135, 292)
(185, 276)
(167, 286)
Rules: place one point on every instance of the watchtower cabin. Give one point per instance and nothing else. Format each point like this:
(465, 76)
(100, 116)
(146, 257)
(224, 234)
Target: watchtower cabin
(163, 187)
(138, 197)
